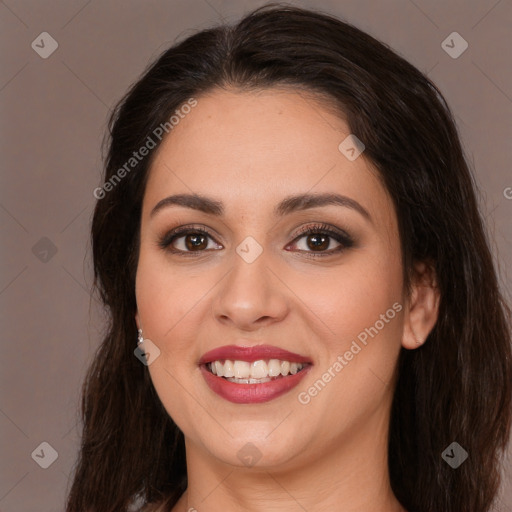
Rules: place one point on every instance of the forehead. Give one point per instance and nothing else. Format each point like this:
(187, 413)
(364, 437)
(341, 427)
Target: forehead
(268, 130)
(253, 148)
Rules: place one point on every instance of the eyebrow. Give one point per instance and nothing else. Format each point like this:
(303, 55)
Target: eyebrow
(286, 206)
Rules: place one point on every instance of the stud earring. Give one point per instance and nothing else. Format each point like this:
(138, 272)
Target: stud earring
(140, 337)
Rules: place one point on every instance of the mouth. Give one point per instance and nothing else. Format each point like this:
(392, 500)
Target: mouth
(256, 374)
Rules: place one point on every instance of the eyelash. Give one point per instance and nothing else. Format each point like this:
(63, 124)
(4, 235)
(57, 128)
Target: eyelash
(341, 237)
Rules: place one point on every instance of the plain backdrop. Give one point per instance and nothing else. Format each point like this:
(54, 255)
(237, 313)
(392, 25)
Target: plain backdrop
(54, 112)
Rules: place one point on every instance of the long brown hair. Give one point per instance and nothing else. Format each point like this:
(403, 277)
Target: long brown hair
(454, 388)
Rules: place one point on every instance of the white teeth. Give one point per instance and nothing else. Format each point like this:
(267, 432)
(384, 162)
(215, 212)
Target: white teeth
(242, 369)
(220, 368)
(249, 381)
(259, 371)
(274, 368)
(228, 369)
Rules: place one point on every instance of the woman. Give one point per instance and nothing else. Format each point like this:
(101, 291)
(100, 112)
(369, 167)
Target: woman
(288, 226)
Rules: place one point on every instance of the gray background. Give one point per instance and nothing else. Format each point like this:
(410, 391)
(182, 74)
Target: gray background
(54, 114)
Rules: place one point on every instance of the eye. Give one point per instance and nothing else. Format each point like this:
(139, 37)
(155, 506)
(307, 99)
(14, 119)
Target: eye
(320, 237)
(317, 240)
(187, 239)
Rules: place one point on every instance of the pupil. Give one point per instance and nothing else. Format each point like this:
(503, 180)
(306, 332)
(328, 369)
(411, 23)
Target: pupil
(316, 243)
(195, 241)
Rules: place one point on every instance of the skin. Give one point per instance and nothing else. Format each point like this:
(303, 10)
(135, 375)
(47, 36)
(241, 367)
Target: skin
(250, 150)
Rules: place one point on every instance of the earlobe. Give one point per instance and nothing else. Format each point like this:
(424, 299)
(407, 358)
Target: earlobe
(137, 320)
(421, 311)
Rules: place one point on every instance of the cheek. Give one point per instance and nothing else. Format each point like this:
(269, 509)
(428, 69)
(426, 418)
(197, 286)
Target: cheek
(352, 297)
(162, 304)
(361, 322)
(165, 301)
(173, 305)
(165, 294)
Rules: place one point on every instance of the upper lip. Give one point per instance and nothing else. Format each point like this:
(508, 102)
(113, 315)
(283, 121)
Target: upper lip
(250, 354)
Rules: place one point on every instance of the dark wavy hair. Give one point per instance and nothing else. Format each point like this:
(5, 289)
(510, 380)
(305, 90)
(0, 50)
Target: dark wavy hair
(455, 387)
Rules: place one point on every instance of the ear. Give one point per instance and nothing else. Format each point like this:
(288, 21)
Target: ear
(422, 309)
(137, 320)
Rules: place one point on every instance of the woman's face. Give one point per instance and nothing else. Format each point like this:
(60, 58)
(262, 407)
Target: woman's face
(333, 297)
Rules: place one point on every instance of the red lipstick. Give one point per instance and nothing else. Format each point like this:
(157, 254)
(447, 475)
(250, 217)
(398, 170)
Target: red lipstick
(241, 393)
(250, 354)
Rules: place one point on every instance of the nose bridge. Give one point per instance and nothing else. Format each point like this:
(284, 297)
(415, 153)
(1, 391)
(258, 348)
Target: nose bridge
(249, 280)
(250, 294)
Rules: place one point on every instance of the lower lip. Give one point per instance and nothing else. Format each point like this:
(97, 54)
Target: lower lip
(252, 393)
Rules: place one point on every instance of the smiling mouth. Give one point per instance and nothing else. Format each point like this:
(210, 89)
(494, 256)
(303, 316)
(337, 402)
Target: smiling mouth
(255, 372)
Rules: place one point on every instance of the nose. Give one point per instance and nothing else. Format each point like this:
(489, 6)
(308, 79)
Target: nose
(251, 296)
